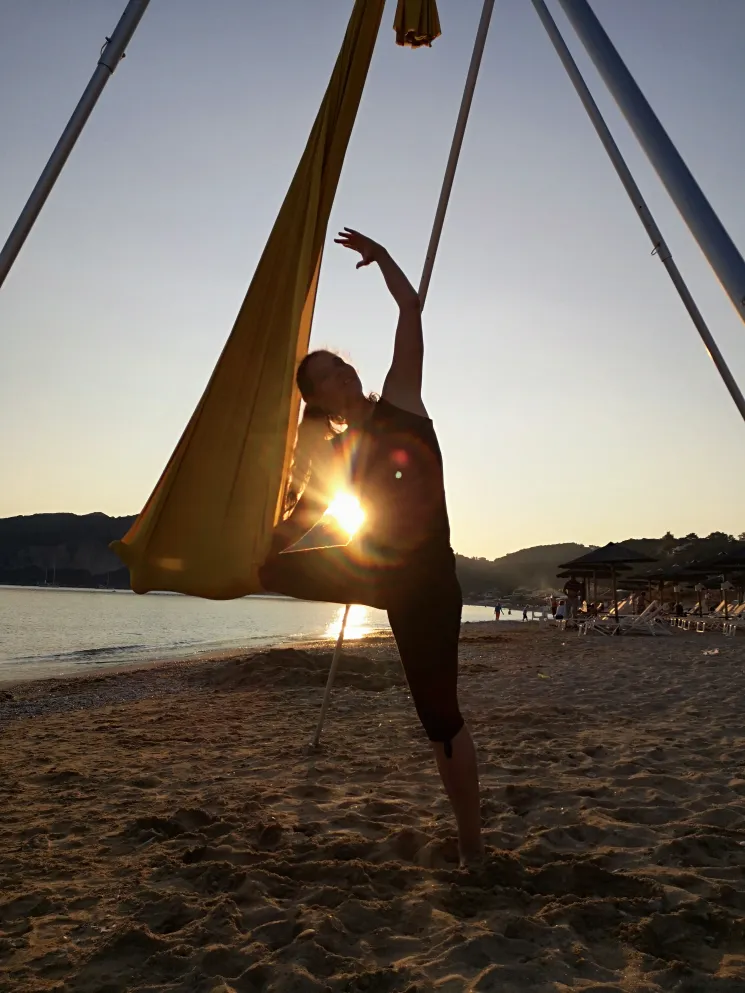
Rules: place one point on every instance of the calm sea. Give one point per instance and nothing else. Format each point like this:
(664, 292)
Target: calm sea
(56, 632)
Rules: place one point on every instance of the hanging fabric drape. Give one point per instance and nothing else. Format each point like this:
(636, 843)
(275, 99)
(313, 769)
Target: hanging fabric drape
(416, 23)
(207, 525)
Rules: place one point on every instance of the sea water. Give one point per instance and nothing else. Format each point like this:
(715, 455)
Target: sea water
(55, 632)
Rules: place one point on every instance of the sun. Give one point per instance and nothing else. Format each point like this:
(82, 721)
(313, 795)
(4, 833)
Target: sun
(348, 513)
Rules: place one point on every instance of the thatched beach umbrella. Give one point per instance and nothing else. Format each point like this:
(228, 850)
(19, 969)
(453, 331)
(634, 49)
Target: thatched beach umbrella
(661, 574)
(594, 573)
(615, 556)
(723, 565)
(634, 584)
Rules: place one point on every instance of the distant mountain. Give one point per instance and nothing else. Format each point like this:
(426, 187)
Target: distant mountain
(72, 550)
(64, 549)
(529, 569)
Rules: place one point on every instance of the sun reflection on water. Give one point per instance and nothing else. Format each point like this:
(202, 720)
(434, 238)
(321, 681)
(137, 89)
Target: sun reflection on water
(359, 623)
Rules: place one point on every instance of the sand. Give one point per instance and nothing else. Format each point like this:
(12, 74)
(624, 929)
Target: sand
(167, 829)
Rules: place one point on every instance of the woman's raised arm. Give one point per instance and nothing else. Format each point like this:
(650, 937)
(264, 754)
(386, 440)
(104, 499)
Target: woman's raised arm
(403, 384)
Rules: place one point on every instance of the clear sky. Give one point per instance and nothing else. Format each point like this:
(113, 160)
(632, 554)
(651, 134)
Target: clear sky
(573, 398)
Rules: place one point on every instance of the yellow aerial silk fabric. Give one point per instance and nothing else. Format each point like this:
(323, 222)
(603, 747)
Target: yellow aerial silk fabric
(207, 526)
(416, 23)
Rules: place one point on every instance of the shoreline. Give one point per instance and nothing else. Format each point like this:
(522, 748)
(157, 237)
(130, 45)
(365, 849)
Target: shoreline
(93, 670)
(97, 668)
(95, 656)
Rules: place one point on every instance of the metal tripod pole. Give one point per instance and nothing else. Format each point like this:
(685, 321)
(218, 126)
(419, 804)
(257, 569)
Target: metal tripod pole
(645, 215)
(111, 54)
(457, 144)
(330, 681)
(686, 194)
(429, 263)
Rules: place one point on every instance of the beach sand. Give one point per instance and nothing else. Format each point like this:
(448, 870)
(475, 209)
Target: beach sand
(168, 829)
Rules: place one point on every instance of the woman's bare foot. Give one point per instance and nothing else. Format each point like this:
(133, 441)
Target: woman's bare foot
(473, 862)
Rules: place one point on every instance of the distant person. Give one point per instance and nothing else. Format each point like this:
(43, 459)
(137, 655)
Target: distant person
(554, 606)
(561, 611)
(497, 611)
(572, 591)
(525, 613)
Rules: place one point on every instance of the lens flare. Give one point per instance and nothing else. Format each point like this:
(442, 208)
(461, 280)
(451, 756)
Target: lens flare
(346, 510)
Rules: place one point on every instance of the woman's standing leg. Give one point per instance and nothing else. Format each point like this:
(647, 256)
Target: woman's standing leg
(427, 630)
(460, 777)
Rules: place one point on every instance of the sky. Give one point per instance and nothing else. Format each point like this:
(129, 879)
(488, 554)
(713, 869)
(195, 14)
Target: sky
(573, 398)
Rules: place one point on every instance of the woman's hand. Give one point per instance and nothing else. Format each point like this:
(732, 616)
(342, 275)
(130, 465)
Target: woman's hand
(370, 250)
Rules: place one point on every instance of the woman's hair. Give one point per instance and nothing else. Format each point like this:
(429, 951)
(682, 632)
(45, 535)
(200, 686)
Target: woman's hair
(305, 385)
(314, 431)
(316, 428)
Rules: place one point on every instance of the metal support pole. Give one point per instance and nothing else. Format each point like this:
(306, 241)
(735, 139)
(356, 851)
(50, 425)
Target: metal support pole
(460, 130)
(429, 259)
(624, 174)
(615, 593)
(111, 54)
(697, 212)
(330, 681)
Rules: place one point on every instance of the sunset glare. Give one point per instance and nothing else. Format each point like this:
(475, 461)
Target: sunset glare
(346, 510)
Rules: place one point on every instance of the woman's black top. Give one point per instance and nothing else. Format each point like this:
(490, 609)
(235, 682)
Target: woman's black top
(396, 470)
(402, 552)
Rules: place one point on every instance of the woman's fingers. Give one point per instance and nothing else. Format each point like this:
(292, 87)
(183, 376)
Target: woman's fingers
(349, 238)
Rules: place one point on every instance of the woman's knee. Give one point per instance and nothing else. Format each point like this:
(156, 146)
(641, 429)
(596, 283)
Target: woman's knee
(441, 723)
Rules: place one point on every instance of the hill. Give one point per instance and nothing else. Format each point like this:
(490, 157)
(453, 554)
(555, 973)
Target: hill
(63, 549)
(534, 569)
(529, 569)
(72, 550)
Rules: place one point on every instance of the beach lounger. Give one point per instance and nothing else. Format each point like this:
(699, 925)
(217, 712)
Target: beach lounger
(650, 621)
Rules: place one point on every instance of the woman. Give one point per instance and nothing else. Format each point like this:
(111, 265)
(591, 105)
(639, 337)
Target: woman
(401, 560)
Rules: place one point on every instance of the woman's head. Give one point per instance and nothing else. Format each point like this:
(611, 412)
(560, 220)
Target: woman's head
(332, 393)
(329, 384)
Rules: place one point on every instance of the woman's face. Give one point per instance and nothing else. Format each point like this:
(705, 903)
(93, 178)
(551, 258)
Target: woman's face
(335, 383)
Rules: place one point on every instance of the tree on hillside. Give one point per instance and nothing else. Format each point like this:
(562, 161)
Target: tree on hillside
(668, 542)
